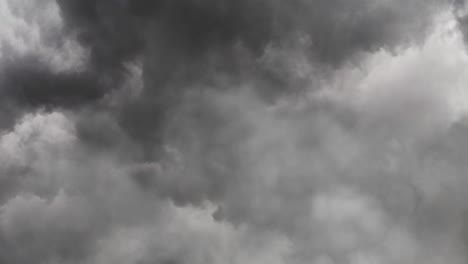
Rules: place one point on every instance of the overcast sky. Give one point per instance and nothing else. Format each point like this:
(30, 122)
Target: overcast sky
(233, 132)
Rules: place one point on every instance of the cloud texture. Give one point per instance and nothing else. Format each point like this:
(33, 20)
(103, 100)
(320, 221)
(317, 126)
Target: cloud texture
(253, 132)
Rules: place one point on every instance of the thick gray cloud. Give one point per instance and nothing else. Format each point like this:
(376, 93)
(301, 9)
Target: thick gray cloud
(460, 10)
(233, 132)
(186, 43)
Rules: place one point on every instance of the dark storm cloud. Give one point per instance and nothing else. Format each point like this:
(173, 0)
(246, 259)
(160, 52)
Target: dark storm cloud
(182, 138)
(29, 83)
(182, 42)
(187, 42)
(117, 30)
(185, 45)
(460, 9)
(107, 28)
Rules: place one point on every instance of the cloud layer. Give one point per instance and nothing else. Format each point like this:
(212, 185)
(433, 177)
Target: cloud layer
(233, 132)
